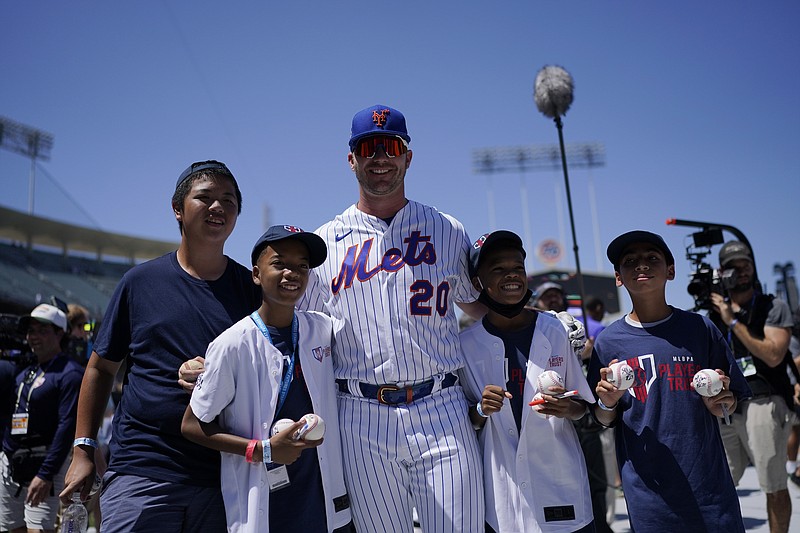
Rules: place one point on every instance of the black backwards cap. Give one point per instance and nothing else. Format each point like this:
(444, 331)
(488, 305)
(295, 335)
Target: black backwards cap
(200, 166)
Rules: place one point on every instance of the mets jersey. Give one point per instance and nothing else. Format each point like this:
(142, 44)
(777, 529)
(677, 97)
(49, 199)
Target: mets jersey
(394, 285)
(240, 385)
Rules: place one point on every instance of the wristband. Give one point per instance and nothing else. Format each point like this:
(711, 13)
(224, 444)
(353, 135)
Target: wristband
(267, 451)
(733, 323)
(248, 454)
(480, 411)
(85, 441)
(604, 407)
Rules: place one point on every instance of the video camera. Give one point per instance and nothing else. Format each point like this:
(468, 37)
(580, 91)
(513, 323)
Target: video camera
(705, 279)
(13, 346)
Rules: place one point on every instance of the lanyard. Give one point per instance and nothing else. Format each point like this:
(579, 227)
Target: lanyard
(30, 382)
(287, 378)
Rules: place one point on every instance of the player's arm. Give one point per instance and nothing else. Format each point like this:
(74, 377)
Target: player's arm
(771, 349)
(474, 309)
(284, 449)
(95, 391)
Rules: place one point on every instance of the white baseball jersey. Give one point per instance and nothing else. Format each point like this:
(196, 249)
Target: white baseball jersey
(240, 385)
(394, 286)
(535, 478)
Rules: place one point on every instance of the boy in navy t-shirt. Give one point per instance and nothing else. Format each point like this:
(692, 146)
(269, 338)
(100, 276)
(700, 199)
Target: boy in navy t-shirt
(162, 313)
(672, 462)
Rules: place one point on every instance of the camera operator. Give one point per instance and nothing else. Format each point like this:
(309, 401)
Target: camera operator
(758, 328)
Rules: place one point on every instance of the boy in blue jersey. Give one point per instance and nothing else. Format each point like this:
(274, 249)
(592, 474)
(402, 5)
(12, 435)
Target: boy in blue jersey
(272, 365)
(162, 313)
(672, 462)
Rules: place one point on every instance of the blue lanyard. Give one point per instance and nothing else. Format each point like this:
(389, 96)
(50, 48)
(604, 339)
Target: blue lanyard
(287, 378)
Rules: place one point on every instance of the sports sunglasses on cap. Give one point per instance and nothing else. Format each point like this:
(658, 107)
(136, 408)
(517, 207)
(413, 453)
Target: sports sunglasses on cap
(393, 146)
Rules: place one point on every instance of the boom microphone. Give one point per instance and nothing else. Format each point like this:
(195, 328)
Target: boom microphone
(553, 91)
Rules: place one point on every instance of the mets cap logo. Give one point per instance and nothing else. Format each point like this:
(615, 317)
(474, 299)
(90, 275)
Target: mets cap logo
(379, 117)
(479, 243)
(293, 229)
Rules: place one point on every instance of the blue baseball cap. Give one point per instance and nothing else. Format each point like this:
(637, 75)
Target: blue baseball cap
(200, 166)
(488, 241)
(317, 251)
(378, 120)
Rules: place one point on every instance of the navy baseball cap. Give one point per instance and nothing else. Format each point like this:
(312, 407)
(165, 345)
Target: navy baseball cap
(378, 120)
(491, 240)
(618, 245)
(317, 251)
(200, 166)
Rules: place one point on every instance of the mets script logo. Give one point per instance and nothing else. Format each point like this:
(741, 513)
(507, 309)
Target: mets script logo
(645, 370)
(321, 352)
(293, 229)
(379, 117)
(355, 264)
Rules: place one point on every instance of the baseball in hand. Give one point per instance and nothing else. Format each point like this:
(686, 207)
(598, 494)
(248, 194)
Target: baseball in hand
(313, 429)
(191, 364)
(547, 379)
(707, 382)
(280, 425)
(621, 375)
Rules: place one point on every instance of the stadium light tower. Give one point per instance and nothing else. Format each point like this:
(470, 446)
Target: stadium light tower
(28, 141)
(527, 158)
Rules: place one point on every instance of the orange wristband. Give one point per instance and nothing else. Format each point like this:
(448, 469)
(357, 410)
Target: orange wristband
(248, 455)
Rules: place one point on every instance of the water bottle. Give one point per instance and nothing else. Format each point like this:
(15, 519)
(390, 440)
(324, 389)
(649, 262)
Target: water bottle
(75, 518)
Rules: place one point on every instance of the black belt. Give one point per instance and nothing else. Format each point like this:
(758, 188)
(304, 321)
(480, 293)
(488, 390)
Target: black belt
(394, 395)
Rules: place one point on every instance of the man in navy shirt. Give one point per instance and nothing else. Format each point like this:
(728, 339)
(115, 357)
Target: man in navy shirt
(45, 398)
(164, 312)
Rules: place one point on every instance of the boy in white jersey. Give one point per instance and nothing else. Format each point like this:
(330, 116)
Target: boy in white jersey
(534, 472)
(274, 364)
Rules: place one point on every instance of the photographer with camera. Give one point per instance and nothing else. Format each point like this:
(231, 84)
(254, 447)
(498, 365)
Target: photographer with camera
(758, 329)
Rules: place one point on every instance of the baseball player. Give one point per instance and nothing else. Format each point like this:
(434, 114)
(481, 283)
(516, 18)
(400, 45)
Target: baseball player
(534, 473)
(274, 364)
(394, 271)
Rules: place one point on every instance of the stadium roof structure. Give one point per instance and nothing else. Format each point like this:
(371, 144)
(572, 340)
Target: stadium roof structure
(38, 231)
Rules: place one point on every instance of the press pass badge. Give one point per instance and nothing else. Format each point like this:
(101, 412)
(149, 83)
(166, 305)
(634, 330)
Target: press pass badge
(19, 424)
(747, 366)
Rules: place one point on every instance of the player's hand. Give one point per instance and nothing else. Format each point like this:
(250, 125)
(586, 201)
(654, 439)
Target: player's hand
(285, 449)
(492, 398)
(722, 307)
(560, 407)
(607, 392)
(575, 331)
(80, 476)
(724, 398)
(797, 393)
(188, 372)
(38, 491)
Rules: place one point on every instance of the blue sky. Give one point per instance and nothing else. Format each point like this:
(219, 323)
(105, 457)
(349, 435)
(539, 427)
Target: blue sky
(696, 104)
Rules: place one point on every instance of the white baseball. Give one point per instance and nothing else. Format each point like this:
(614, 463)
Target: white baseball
(707, 382)
(191, 364)
(547, 379)
(313, 429)
(621, 375)
(280, 425)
